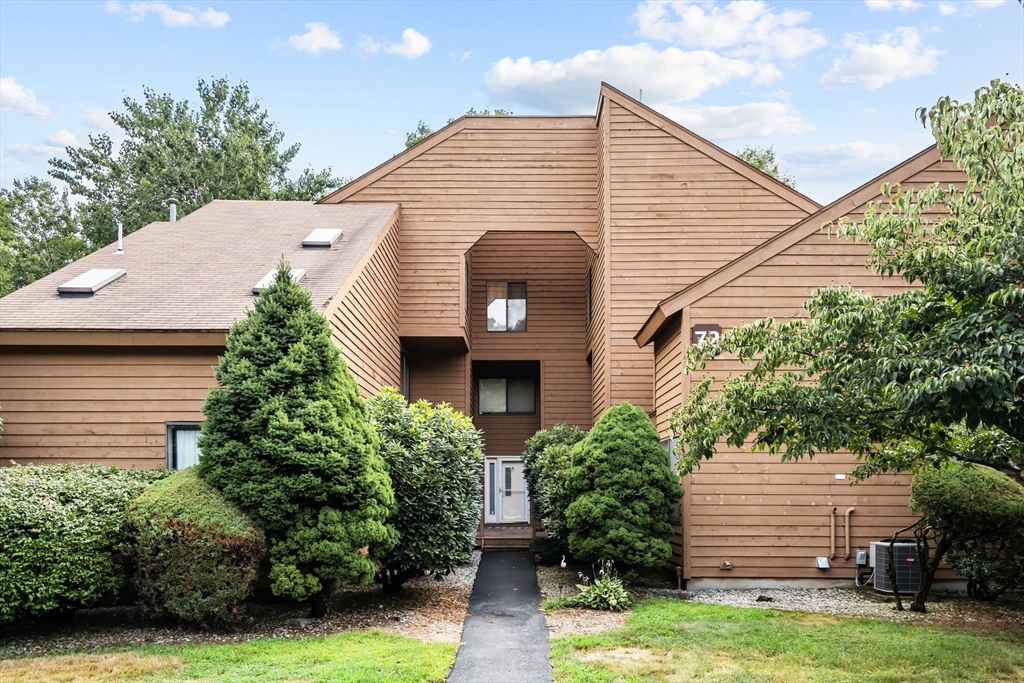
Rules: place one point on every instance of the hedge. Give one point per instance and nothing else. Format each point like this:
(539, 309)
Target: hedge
(196, 555)
(63, 536)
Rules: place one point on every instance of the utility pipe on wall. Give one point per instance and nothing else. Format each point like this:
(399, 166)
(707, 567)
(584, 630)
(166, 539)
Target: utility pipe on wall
(832, 536)
(849, 512)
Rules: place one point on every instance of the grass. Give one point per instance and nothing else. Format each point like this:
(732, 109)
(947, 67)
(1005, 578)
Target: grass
(353, 656)
(668, 640)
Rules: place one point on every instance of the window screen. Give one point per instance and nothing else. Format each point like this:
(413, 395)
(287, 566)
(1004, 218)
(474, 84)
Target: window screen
(521, 398)
(493, 397)
(502, 396)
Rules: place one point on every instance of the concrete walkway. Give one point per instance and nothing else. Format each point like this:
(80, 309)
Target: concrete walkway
(505, 636)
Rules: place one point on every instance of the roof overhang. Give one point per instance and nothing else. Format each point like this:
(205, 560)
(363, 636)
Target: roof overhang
(209, 338)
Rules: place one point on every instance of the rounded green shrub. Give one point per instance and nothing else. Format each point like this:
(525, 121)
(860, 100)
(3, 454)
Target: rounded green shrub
(63, 535)
(546, 461)
(286, 438)
(977, 514)
(622, 490)
(434, 455)
(196, 555)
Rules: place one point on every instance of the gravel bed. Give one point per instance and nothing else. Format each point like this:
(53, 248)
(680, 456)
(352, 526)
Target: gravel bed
(425, 609)
(947, 609)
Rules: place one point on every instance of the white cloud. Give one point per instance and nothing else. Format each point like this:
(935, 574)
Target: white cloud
(317, 38)
(751, 120)
(413, 46)
(190, 16)
(845, 155)
(62, 138)
(14, 97)
(988, 4)
(98, 118)
(570, 85)
(463, 57)
(30, 152)
(368, 45)
(897, 56)
(901, 5)
(870, 111)
(947, 9)
(748, 28)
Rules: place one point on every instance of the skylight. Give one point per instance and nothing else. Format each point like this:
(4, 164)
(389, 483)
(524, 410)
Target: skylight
(268, 279)
(90, 282)
(322, 238)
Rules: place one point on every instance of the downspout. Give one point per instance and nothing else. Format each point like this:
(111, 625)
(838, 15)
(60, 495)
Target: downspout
(849, 511)
(832, 536)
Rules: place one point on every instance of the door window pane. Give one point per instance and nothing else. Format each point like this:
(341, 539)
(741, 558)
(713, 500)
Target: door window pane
(521, 396)
(517, 307)
(492, 396)
(497, 302)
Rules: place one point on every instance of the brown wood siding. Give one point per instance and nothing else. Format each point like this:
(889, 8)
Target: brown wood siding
(439, 376)
(770, 519)
(364, 321)
(107, 405)
(676, 214)
(496, 174)
(597, 329)
(506, 434)
(668, 365)
(553, 265)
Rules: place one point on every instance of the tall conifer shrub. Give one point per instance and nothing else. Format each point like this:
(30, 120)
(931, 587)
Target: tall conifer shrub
(622, 489)
(286, 438)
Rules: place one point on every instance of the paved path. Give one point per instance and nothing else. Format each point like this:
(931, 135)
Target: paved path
(505, 636)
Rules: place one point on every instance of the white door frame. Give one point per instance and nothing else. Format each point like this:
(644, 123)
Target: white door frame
(496, 482)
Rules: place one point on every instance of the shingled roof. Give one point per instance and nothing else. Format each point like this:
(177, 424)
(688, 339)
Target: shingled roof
(198, 273)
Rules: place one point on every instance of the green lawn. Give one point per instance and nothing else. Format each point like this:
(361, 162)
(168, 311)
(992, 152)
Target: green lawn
(353, 656)
(668, 640)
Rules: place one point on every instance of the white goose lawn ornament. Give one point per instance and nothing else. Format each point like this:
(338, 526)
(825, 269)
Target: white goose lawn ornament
(563, 562)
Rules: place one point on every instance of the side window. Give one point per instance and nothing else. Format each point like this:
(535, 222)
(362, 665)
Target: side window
(506, 307)
(182, 445)
(669, 444)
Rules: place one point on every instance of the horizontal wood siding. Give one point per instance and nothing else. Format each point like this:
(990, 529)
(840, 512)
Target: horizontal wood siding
(106, 405)
(439, 376)
(364, 324)
(668, 384)
(553, 265)
(597, 327)
(770, 519)
(508, 174)
(676, 214)
(506, 434)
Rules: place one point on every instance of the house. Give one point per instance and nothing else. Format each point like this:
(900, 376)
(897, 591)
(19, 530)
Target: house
(527, 270)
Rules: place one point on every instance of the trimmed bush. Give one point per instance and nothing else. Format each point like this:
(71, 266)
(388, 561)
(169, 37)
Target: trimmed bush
(434, 455)
(63, 536)
(286, 438)
(545, 463)
(622, 489)
(196, 555)
(977, 516)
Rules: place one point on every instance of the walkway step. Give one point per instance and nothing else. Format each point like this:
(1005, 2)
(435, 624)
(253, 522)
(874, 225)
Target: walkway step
(505, 636)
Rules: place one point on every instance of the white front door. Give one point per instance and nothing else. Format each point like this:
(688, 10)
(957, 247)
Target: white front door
(514, 506)
(505, 498)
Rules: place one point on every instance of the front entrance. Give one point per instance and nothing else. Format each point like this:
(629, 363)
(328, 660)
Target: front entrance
(505, 497)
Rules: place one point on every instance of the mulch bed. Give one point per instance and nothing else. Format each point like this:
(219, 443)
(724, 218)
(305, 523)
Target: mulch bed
(425, 609)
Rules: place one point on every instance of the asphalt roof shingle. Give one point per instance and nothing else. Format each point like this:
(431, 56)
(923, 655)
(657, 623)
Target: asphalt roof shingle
(198, 273)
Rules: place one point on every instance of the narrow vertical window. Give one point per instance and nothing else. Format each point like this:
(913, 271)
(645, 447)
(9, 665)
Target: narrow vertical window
(506, 307)
(182, 446)
(490, 489)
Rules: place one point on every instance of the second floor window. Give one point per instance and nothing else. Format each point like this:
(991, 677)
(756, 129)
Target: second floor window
(506, 307)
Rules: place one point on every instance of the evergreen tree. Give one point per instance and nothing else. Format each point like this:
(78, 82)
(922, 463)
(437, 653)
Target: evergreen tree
(623, 489)
(286, 438)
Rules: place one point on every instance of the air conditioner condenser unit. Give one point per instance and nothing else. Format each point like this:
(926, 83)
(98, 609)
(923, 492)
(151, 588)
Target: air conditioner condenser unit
(907, 565)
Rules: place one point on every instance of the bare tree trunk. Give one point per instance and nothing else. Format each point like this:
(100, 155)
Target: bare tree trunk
(320, 605)
(891, 568)
(928, 569)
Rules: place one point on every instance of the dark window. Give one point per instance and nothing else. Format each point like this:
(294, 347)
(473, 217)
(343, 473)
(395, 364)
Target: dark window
(506, 307)
(182, 445)
(590, 295)
(404, 377)
(508, 397)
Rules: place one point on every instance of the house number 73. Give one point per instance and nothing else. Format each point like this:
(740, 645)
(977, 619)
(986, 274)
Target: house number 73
(699, 333)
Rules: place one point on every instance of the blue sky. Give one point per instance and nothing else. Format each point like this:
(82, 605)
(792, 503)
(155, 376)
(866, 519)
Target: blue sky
(831, 85)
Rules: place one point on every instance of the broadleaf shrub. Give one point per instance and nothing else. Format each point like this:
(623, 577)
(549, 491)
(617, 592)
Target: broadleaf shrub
(546, 461)
(286, 438)
(622, 489)
(196, 555)
(433, 454)
(63, 535)
(606, 592)
(977, 515)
